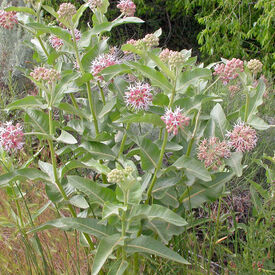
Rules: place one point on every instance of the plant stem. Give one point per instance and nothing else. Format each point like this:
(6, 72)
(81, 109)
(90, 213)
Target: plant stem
(190, 144)
(162, 151)
(246, 107)
(121, 149)
(56, 179)
(90, 99)
(102, 93)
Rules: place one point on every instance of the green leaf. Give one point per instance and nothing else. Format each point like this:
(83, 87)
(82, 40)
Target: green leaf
(134, 194)
(66, 138)
(153, 119)
(194, 167)
(98, 150)
(39, 120)
(118, 268)
(22, 174)
(22, 9)
(148, 245)
(221, 123)
(203, 192)
(235, 162)
(84, 225)
(192, 78)
(27, 102)
(68, 108)
(110, 209)
(106, 247)
(79, 201)
(156, 77)
(155, 211)
(78, 14)
(96, 193)
(107, 108)
(161, 100)
(114, 70)
(149, 153)
(257, 123)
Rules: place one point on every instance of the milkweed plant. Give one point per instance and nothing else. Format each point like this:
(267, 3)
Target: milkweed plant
(93, 106)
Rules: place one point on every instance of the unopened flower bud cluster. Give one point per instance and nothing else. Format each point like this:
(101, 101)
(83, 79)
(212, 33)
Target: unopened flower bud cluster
(93, 4)
(8, 19)
(57, 42)
(173, 58)
(44, 74)
(230, 70)
(127, 7)
(255, 66)
(66, 11)
(118, 175)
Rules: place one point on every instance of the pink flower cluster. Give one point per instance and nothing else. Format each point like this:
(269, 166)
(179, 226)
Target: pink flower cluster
(66, 11)
(101, 62)
(11, 137)
(233, 89)
(173, 58)
(175, 120)
(57, 42)
(243, 138)
(44, 74)
(212, 151)
(127, 7)
(8, 19)
(139, 96)
(93, 4)
(230, 70)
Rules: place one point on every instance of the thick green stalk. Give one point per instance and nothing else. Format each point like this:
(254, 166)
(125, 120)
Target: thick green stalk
(56, 178)
(102, 93)
(121, 149)
(246, 107)
(162, 151)
(90, 99)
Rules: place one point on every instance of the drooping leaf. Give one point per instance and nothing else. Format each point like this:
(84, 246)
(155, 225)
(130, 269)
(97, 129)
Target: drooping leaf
(193, 167)
(79, 201)
(221, 123)
(22, 9)
(148, 245)
(153, 119)
(66, 138)
(235, 162)
(96, 193)
(27, 102)
(118, 268)
(106, 247)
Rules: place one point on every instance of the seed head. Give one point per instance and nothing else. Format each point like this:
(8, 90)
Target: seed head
(11, 136)
(175, 120)
(212, 152)
(127, 7)
(139, 96)
(8, 19)
(243, 138)
(255, 66)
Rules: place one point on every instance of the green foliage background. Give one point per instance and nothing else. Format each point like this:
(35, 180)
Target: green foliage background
(213, 29)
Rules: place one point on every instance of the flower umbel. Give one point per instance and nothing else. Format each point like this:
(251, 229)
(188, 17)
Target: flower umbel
(243, 138)
(101, 62)
(150, 40)
(11, 136)
(230, 70)
(139, 96)
(127, 7)
(44, 74)
(56, 42)
(93, 4)
(212, 151)
(66, 11)
(8, 19)
(173, 58)
(255, 66)
(175, 120)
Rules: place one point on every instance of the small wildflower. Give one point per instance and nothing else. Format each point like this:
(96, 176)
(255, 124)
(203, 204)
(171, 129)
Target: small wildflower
(116, 176)
(56, 42)
(176, 59)
(212, 151)
(242, 138)
(230, 70)
(101, 62)
(175, 119)
(139, 96)
(8, 19)
(11, 137)
(77, 34)
(44, 74)
(127, 7)
(66, 11)
(150, 40)
(255, 66)
(93, 4)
